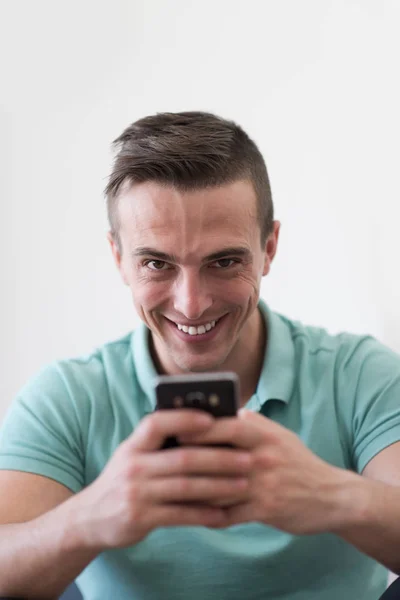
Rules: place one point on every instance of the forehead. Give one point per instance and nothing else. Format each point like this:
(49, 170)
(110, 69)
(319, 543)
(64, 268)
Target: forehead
(151, 214)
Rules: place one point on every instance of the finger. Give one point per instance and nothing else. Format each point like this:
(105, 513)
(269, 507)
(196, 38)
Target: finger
(238, 432)
(226, 502)
(259, 420)
(196, 489)
(241, 513)
(195, 461)
(272, 432)
(177, 514)
(155, 428)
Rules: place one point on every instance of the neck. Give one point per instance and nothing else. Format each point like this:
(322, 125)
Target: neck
(252, 346)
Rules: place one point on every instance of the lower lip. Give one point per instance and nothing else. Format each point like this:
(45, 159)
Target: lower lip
(202, 337)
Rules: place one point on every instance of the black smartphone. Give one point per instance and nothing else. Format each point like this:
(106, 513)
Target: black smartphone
(216, 393)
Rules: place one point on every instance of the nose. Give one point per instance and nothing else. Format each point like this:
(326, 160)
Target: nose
(191, 296)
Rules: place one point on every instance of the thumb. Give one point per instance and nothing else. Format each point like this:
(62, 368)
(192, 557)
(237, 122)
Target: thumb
(261, 421)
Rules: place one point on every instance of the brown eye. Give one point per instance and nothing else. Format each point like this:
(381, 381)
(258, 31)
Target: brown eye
(224, 263)
(157, 265)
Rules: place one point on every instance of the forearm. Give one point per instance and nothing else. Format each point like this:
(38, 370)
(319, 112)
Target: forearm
(371, 519)
(40, 558)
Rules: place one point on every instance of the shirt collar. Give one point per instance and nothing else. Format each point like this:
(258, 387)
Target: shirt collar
(277, 374)
(278, 370)
(144, 365)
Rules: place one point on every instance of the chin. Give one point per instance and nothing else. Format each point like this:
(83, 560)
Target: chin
(198, 366)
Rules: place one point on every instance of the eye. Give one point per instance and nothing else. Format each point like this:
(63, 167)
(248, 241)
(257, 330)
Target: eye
(156, 265)
(224, 263)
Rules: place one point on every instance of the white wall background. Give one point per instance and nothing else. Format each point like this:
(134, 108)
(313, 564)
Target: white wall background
(316, 83)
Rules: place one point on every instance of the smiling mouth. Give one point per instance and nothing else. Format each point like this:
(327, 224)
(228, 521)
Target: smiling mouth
(197, 329)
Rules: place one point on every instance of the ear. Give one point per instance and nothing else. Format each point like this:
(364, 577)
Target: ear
(271, 246)
(117, 256)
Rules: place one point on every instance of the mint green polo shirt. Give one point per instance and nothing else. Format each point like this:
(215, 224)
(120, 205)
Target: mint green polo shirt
(340, 394)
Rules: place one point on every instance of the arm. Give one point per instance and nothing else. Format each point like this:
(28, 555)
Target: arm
(45, 545)
(372, 505)
(372, 379)
(39, 548)
(306, 495)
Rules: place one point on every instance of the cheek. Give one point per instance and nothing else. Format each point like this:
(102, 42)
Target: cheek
(239, 291)
(246, 284)
(148, 295)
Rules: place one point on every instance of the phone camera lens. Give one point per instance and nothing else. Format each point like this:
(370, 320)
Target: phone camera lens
(195, 398)
(213, 400)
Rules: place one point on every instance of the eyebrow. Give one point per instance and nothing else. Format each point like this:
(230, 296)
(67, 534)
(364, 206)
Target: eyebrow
(231, 251)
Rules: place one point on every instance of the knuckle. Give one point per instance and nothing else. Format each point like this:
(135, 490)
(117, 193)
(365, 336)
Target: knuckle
(132, 492)
(236, 426)
(226, 488)
(222, 487)
(150, 425)
(133, 513)
(266, 459)
(184, 460)
(184, 486)
(234, 461)
(135, 469)
(259, 459)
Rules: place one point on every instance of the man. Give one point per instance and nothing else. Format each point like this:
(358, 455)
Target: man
(305, 505)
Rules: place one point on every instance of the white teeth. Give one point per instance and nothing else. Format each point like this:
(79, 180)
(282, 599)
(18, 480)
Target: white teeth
(192, 330)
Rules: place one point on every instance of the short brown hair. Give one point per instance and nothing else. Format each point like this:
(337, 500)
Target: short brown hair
(188, 150)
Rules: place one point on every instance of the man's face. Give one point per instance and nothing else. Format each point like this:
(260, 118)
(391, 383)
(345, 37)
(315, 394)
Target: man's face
(193, 262)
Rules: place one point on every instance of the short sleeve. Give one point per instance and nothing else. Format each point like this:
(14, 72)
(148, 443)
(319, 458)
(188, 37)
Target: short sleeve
(375, 371)
(40, 433)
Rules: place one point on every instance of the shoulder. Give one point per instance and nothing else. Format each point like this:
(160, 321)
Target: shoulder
(78, 388)
(346, 347)
(70, 374)
(346, 354)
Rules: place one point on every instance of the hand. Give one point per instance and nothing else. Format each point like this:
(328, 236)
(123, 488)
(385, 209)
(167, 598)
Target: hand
(290, 488)
(143, 487)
